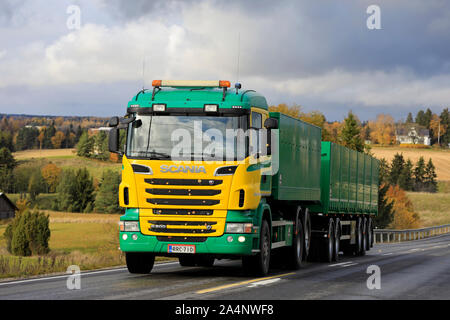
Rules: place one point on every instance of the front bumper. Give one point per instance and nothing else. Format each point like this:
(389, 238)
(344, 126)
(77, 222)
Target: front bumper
(212, 245)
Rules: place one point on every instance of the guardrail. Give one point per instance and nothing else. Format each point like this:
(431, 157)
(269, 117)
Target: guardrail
(385, 235)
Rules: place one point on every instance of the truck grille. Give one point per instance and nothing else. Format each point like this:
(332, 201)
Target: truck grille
(183, 212)
(161, 226)
(183, 192)
(184, 182)
(183, 202)
(180, 239)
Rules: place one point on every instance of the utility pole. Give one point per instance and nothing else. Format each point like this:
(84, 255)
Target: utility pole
(439, 132)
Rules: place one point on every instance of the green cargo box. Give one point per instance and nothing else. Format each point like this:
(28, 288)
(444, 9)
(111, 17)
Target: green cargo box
(349, 181)
(298, 176)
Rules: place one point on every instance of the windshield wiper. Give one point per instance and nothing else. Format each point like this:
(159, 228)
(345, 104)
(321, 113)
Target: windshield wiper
(158, 155)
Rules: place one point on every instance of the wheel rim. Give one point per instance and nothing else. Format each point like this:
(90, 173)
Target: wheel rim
(265, 251)
(307, 236)
(299, 244)
(337, 245)
(331, 242)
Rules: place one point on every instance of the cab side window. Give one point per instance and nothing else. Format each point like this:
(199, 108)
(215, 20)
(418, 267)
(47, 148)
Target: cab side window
(256, 120)
(256, 125)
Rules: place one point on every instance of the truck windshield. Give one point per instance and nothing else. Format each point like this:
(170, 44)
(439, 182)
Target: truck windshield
(180, 137)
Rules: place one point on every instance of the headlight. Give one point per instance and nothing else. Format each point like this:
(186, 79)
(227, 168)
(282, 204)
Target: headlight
(239, 227)
(129, 226)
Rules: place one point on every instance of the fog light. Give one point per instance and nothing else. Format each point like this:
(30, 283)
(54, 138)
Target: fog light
(134, 236)
(124, 237)
(241, 239)
(230, 239)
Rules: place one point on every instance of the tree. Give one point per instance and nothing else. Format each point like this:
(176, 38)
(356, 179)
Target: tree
(75, 191)
(430, 177)
(409, 119)
(350, 136)
(28, 234)
(405, 179)
(437, 128)
(404, 215)
(58, 139)
(51, 174)
(36, 185)
(419, 175)
(445, 121)
(6, 140)
(385, 206)
(7, 159)
(384, 171)
(107, 200)
(85, 145)
(382, 130)
(293, 111)
(396, 168)
(101, 146)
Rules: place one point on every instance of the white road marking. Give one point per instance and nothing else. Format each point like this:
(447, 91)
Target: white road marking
(263, 283)
(387, 254)
(349, 265)
(82, 274)
(340, 264)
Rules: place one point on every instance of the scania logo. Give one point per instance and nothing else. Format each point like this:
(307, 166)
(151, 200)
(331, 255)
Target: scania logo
(185, 169)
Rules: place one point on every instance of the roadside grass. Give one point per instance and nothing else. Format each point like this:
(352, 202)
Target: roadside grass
(433, 208)
(90, 241)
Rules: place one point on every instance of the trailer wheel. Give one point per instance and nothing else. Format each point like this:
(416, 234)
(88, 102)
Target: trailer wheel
(307, 236)
(298, 244)
(337, 240)
(187, 261)
(363, 239)
(328, 243)
(259, 264)
(139, 262)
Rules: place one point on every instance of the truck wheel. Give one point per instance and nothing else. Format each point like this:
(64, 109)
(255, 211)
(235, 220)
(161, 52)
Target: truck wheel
(205, 261)
(259, 264)
(187, 261)
(337, 241)
(328, 243)
(298, 245)
(370, 232)
(139, 262)
(307, 234)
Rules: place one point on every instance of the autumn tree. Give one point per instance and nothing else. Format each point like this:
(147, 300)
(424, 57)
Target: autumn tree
(437, 128)
(382, 130)
(51, 174)
(293, 111)
(404, 215)
(58, 139)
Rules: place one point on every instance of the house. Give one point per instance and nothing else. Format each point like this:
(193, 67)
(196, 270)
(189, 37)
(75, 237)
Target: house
(412, 134)
(7, 208)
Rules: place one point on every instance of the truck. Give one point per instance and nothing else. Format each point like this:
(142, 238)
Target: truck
(209, 173)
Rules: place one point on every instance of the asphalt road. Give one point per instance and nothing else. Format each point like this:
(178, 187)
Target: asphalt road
(411, 270)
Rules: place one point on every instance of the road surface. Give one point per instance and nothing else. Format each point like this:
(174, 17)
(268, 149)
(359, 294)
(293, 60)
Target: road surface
(410, 270)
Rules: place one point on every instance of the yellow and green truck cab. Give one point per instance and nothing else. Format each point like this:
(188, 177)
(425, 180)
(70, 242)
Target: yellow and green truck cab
(209, 173)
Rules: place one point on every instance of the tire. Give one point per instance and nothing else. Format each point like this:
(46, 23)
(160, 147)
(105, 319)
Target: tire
(363, 247)
(327, 248)
(307, 236)
(359, 236)
(371, 237)
(205, 261)
(139, 262)
(337, 240)
(187, 261)
(259, 264)
(296, 252)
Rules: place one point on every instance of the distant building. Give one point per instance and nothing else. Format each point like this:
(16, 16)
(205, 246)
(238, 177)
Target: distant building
(412, 134)
(7, 208)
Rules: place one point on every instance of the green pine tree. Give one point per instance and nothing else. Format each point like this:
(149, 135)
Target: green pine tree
(85, 145)
(430, 177)
(419, 175)
(350, 136)
(107, 200)
(396, 168)
(405, 180)
(409, 119)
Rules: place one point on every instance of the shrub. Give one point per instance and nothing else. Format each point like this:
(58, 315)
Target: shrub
(28, 234)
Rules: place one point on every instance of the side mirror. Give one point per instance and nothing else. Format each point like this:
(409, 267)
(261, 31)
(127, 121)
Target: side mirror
(271, 123)
(113, 122)
(113, 141)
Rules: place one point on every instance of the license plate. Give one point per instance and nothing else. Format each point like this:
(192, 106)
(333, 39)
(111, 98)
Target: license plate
(181, 248)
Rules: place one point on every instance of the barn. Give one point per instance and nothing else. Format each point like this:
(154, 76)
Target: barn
(7, 208)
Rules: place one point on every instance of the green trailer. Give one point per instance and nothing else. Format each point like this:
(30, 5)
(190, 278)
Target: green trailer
(349, 181)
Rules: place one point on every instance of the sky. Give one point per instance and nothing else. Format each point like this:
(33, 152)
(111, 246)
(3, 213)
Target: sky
(317, 54)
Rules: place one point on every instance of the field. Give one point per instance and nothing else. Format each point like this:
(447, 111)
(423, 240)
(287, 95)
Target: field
(65, 159)
(433, 208)
(440, 158)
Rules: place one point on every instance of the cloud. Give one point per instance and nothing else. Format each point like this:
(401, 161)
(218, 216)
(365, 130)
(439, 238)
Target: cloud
(319, 53)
